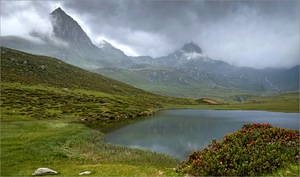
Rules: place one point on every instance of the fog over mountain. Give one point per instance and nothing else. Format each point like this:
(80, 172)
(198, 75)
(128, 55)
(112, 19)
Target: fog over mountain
(245, 33)
(186, 72)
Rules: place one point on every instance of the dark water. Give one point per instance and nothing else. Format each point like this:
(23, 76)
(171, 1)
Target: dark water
(179, 132)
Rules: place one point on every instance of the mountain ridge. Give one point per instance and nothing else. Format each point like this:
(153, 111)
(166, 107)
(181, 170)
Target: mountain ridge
(189, 64)
(29, 69)
(78, 49)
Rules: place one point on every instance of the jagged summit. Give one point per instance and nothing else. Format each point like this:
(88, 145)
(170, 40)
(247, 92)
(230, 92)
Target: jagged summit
(104, 43)
(191, 48)
(58, 10)
(67, 29)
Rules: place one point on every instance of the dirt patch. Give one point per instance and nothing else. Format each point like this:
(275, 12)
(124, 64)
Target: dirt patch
(208, 101)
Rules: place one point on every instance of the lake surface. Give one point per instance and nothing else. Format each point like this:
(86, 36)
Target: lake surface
(180, 132)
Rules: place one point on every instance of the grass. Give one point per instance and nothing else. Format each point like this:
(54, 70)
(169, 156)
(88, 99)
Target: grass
(285, 102)
(95, 109)
(47, 107)
(42, 127)
(32, 70)
(290, 170)
(164, 81)
(71, 148)
(57, 118)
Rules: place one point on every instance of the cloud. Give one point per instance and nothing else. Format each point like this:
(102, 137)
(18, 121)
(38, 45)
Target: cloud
(23, 17)
(246, 33)
(128, 51)
(28, 19)
(248, 39)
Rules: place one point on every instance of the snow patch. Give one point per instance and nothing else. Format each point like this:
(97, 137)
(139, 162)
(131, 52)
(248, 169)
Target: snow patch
(102, 44)
(194, 56)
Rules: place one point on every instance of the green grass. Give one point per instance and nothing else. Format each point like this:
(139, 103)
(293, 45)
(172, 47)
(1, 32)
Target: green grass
(57, 118)
(46, 115)
(45, 127)
(71, 148)
(32, 70)
(290, 170)
(156, 81)
(285, 102)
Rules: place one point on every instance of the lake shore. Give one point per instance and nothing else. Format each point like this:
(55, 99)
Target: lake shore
(62, 141)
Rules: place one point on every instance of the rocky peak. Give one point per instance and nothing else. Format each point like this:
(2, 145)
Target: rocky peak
(191, 48)
(104, 43)
(67, 29)
(58, 10)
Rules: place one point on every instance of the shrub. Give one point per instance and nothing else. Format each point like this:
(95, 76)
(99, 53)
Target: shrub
(256, 149)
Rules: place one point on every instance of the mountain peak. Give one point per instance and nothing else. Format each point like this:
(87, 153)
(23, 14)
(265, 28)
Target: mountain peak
(191, 47)
(67, 29)
(58, 10)
(104, 43)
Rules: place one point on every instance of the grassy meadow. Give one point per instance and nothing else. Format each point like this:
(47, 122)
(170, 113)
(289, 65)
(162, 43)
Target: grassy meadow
(56, 115)
(49, 127)
(70, 148)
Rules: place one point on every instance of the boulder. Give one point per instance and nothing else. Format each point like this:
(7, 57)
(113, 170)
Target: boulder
(85, 173)
(44, 171)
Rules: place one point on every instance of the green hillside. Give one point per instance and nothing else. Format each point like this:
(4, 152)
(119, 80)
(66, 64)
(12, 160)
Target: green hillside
(175, 82)
(47, 88)
(32, 69)
(47, 107)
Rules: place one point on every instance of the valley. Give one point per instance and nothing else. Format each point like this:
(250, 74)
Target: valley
(51, 117)
(61, 94)
(45, 99)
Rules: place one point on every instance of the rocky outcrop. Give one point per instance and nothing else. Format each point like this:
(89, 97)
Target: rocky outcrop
(191, 47)
(44, 171)
(68, 30)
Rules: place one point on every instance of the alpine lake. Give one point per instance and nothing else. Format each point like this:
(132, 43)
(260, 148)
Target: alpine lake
(181, 131)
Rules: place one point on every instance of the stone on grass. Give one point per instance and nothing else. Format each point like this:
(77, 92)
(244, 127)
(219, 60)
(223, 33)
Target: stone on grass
(85, 173)
(44, 171)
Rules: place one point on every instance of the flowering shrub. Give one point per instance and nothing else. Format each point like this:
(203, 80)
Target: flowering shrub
(256, 149)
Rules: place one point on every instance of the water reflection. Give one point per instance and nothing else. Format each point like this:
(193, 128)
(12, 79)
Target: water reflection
(179, 132)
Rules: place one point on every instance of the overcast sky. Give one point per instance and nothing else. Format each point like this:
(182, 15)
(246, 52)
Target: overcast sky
(259, 34)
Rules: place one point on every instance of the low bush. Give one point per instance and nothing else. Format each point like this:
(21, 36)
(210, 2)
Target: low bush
(256, 149)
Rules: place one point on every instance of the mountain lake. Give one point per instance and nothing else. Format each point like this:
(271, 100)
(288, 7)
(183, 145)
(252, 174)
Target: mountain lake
(182, 131)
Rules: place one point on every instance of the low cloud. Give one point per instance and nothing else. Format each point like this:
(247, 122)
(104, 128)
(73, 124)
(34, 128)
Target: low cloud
(245, 33)
(23, 17)
(29, 20)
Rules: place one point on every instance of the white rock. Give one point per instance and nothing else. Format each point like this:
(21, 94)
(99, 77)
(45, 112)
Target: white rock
(85, 173)
(43, 171)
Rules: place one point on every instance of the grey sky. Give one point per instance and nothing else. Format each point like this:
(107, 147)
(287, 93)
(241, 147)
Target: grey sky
(246, 33)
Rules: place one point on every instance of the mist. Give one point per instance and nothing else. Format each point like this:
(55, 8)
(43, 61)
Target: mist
(256, 34)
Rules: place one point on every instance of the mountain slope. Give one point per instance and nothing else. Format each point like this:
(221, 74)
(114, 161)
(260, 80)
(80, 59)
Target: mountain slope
(187, 72)
(288, 79)
(31, 69)
(69, 43)
(179, 82)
